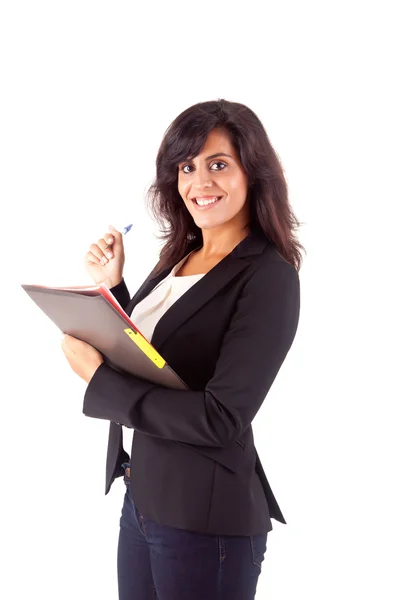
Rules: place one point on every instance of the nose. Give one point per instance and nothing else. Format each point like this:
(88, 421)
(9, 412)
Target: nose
(201, 179)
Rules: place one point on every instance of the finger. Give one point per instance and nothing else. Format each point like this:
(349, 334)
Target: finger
(117, 238)
(103, 247)
(109, 240)
(64, 343)
(92, 258)
(96, 250)
(115, 233)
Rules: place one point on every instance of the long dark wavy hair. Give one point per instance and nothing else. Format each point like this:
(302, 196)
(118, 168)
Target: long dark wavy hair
(270, 210)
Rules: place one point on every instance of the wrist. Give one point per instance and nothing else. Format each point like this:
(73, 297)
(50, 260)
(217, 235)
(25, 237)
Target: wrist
(110, 283)
(91, 371)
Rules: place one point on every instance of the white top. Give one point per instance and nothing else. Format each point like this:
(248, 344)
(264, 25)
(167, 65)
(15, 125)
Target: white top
(149, 311)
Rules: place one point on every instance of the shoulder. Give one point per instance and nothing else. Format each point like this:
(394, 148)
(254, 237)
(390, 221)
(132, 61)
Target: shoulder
(271, 268)
(269, 298)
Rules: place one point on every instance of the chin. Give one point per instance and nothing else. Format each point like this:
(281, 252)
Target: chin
(208, 225)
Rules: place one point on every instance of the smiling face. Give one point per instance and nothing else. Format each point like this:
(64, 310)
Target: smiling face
(215, 173)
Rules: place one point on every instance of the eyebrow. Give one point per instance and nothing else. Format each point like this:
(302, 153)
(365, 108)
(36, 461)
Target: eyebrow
(218, 154)
(215, 155)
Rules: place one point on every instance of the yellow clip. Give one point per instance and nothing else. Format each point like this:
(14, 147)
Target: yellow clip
(146, 347)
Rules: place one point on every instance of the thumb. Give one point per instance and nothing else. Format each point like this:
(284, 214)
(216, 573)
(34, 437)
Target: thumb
(117, 236)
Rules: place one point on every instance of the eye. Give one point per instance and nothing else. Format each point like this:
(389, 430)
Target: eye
(219, 163)
(215, 163)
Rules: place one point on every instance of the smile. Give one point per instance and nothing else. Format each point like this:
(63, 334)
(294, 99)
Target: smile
(203, 203)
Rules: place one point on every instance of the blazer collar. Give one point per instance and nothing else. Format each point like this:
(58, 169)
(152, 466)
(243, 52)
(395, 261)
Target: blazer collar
(203, 290)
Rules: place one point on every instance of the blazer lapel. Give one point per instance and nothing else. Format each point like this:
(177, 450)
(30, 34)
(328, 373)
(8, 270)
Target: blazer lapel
(202, 291)
(195, 297)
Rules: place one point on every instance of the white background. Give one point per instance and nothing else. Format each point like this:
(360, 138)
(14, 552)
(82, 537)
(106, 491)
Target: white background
(87, 91)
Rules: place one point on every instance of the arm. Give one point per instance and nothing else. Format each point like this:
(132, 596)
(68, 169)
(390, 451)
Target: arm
(121, 293)
(254, 347)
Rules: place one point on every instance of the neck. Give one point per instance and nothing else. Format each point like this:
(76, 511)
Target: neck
(220, 241)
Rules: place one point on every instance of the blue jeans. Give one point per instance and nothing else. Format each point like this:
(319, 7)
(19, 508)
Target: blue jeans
(158, 562)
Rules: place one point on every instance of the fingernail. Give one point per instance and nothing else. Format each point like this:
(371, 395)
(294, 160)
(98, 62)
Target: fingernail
(109, 241)
(109, 254)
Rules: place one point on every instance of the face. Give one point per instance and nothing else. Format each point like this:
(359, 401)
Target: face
(215, 172)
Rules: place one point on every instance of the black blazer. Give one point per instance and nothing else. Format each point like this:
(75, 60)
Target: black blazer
(193, 460)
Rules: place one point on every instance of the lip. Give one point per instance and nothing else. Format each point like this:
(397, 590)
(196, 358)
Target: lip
(207, 206)
(206, 197)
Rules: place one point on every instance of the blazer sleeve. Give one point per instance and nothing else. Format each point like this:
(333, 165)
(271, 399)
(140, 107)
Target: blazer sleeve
(260, 334)
(121, 293)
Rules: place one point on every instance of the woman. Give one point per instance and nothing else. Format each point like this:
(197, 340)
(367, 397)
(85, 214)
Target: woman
(222, 308)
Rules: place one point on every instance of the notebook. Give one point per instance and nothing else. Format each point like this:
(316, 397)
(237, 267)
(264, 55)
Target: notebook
(93, 315)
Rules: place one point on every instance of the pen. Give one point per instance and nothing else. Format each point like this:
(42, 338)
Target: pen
(124, 231)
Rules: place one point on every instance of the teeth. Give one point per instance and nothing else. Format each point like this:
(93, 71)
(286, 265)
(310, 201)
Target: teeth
(205, 202)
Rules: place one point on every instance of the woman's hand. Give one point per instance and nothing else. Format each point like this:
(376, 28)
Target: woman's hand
(82, 357)
(105, 265)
